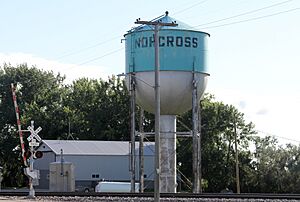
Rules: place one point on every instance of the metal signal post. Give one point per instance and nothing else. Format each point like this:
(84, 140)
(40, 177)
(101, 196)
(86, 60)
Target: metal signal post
(33, 174)
(157, 25)
(33, 140)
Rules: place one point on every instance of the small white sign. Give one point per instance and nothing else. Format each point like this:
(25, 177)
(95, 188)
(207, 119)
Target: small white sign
(34, 144)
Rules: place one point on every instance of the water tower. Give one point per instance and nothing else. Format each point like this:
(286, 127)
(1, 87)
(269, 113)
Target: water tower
(183, 77)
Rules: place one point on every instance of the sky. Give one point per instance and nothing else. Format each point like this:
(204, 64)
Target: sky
(254, 47)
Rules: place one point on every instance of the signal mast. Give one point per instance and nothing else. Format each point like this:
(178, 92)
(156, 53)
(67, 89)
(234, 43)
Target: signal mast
(34, 141)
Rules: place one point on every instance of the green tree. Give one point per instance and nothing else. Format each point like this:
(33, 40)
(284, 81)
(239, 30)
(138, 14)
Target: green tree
(217, 140)
(277, 167)
(99, 109)
(39, 93)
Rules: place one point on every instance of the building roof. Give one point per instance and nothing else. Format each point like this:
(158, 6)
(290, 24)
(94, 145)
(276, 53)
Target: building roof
(83, 147)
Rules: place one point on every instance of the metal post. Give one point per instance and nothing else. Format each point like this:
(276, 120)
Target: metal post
(62, 172)
(199, 149)
(195, 137)
(132, 133)
(157, 117)
(157, 25)
(61, 162)
(1, 178)
(31, 189)
(237, 171)
(141, 150)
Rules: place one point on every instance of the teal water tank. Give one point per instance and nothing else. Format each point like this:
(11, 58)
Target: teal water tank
(182, 52)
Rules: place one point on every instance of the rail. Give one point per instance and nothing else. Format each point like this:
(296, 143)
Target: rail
(163, 195)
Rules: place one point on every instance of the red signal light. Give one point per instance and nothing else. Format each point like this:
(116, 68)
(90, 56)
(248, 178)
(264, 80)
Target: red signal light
(36, 154)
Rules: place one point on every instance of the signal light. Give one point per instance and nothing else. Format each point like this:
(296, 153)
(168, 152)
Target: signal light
(36, 154)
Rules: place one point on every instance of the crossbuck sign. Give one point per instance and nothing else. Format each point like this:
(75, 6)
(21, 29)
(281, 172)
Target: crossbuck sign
(34, 135)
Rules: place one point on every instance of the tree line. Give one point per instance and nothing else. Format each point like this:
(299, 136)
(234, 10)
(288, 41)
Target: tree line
(97, 109)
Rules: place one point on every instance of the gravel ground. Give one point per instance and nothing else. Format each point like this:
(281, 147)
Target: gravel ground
(118, 199)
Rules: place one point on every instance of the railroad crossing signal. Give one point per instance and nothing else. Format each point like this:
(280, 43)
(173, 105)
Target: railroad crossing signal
(34, 135)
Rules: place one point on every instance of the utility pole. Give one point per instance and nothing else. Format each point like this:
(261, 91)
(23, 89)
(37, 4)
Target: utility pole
(237, 171)
(132, 132)
(141, 150)
(196, 138)
(157, 26)
(1, 178)
(199, 150)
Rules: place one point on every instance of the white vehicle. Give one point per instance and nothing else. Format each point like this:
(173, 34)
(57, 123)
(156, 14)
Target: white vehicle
(115, 187)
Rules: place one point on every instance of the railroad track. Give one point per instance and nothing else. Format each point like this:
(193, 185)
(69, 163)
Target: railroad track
(163, 195)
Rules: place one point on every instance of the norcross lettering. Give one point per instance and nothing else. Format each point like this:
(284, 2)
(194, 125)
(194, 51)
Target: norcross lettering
(167, 41)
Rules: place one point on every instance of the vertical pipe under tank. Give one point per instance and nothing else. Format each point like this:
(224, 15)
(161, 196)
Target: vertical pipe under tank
(168, 154)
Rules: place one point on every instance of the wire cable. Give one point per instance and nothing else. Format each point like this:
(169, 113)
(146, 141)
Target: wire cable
(88, 48)
(102, 56)
(104, 42)
(192, 6)
(111, 39)
(250, 19)
(180, 11)
(270, 134)
(246, 13)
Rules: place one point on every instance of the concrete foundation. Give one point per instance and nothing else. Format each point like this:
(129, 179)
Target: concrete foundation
(168, 154)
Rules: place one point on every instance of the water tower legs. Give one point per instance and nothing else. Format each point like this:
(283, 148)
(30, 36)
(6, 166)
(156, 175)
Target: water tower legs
(168, 154)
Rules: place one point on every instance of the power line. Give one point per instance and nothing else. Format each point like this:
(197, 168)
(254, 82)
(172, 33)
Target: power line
(91, 60)
(246, 13)
(183, 10)
(111, 39)
(102, 56)
(104, 42)
(251, 19)
(192, 6)
(95, 45)
(270, 134)
(180, 11)
(87, 48)
(99, 44)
